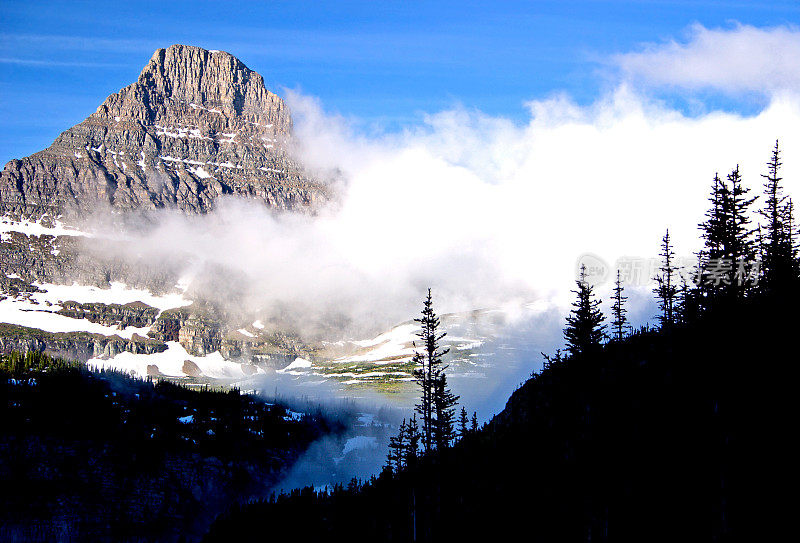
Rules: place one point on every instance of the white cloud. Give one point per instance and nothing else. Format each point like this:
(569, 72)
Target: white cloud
(484, 210)
(742, 59)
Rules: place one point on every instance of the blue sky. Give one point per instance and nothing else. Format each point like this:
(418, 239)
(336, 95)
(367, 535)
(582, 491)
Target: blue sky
(382, 63)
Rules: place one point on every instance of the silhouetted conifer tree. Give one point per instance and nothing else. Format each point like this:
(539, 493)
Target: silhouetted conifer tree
(618, 309)
(687, 303)
(411, 451)
(463, 423)
(444, 403)
(666, 283)
(554, 360)
(778, 258)
(585, 330)
(474, 422)
(741, 247)
(397, 446)
(728, 259)
(793, 237)
(713, 231)
(429, 375)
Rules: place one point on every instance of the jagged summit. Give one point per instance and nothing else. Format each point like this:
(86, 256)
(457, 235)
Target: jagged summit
(182, 75)
(196, 125)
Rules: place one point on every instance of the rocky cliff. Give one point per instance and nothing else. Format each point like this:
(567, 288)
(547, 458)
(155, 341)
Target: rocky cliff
(196, 125)
(73, 345)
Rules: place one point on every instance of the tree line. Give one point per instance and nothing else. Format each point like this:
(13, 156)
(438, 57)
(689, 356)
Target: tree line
(738, 261)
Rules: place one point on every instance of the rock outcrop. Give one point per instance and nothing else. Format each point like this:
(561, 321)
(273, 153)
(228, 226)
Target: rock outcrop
(200, 331)
(136, 314)
(196, 125)
(73, 345)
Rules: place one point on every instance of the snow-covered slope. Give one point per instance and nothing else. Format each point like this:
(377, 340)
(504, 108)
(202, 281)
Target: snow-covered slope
(172, 363)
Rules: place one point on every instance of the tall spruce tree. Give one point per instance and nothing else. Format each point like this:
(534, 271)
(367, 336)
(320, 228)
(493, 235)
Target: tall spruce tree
(793, 236)
(778, 260)
(411, 451)
(618, 310)
(686, 303)
(585, 330)
(397, 447)
(666, 283)
(444, 403)
(727, 259)
(463, 423)
(436, 405)
(741, 248)
(713, 231)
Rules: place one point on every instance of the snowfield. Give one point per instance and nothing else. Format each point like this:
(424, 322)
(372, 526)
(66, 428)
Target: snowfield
(170, 363)
(395, 344)
(118, 293)
(298, 364)
(34, 311)
(37, 229)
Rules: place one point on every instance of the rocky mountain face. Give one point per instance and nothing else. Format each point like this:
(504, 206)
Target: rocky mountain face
(73, 345)
(196, 125)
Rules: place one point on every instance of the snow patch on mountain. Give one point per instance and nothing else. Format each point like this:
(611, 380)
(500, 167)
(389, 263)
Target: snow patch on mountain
(170, 363)
(38, 229)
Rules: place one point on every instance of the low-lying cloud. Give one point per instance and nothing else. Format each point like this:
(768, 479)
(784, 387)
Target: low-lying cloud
(485, 211)
(488, 211)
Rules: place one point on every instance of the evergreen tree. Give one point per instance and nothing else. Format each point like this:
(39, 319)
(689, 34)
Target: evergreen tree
(618, 309)
(397, 446)
(429, 375)
(778, 258)
(792, 234)
(772, 212)
(554, 360)
(728, 257)
(411, 451)
(739, 237)
(444, 403)
(713, 232)
(686, 303)
(666, 288)
(463, 423)
(474, 422)
(585, 330)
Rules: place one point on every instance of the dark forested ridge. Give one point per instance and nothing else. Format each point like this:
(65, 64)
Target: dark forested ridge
(679, 433)
(661, 437)
(99, 456)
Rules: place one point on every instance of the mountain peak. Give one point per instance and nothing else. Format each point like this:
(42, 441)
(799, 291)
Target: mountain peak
(195, 125)
(181, 75)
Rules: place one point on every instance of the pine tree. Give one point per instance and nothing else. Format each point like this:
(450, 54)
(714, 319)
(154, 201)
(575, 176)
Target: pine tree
(686, 303)
(554, 360)
(666, 289)
(709, 282)
(618, 309)
(729, 246)
(429, 373)
(792, 234)
(739, 238)
(474, 422)
(584, 331)
(444, 403)
(397, 446)
(463, 423)
(776, 244)
(413, 435)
